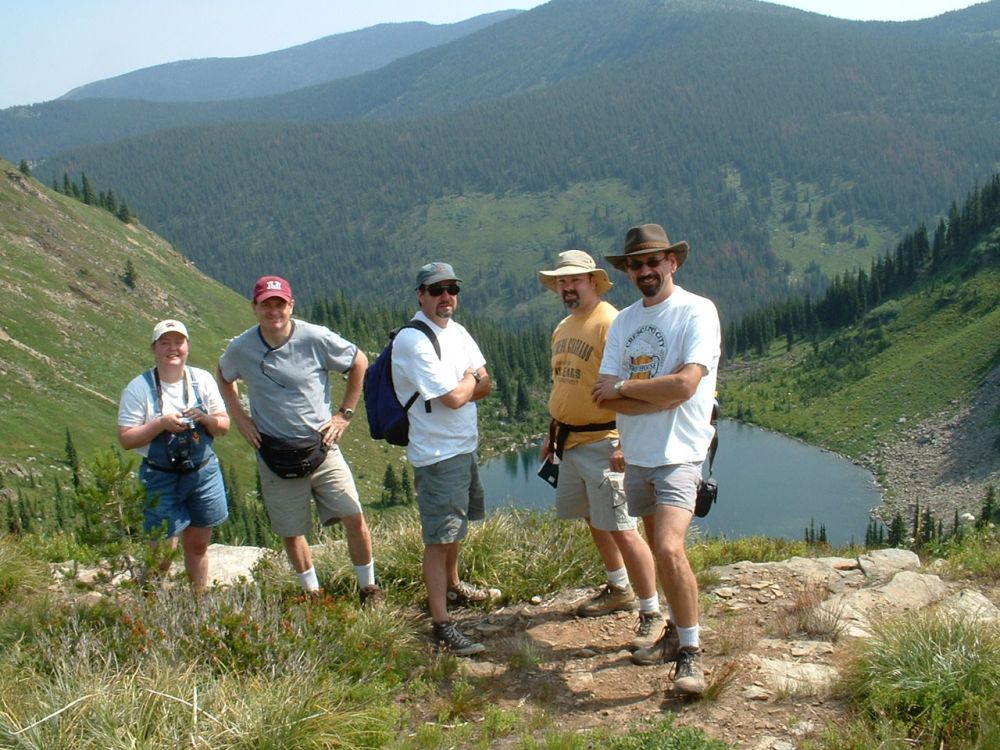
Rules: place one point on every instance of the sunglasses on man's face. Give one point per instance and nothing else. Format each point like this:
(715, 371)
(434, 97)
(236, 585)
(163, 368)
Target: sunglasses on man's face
(636, 264)
(436, 290)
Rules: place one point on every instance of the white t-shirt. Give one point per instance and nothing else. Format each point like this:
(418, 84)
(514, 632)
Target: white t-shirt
(138, 406)
(646, 342)
(444, 432)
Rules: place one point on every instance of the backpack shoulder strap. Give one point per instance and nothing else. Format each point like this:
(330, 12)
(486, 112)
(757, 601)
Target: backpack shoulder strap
(426, 330)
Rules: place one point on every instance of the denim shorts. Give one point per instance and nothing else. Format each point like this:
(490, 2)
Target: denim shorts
(449, 495)
(587, 489)
(181, 500)
(289, 501)
(675, 485)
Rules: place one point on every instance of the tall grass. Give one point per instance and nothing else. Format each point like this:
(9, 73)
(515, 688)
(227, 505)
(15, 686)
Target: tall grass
(935, 678)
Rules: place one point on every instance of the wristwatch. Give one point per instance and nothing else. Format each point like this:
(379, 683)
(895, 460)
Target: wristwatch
(476, 375)
(618, 387)
(348, 413)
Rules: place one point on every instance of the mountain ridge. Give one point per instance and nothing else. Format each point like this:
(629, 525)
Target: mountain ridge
(328, 58)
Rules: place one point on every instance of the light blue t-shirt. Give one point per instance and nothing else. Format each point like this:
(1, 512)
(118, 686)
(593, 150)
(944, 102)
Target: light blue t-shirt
(289, 385)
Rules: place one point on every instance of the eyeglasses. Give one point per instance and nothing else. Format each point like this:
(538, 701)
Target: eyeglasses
(265, 372)
(636, 264)
(436, 290)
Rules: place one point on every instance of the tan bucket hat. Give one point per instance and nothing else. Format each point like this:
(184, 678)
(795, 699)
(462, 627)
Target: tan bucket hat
(644, 239)
(575, 263)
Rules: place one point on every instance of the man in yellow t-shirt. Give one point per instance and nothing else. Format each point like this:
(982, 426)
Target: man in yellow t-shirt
(583, 443)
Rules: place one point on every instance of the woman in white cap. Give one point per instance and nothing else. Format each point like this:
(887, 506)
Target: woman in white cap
(170, 415)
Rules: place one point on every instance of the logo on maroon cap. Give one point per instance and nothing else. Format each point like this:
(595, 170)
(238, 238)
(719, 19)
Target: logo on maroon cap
(271, 286)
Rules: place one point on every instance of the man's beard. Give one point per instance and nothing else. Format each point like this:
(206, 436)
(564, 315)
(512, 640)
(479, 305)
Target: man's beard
(646, 285)
(572, 301)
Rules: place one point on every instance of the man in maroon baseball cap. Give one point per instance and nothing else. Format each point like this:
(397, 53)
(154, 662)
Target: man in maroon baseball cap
(272, 286)
(294, 427)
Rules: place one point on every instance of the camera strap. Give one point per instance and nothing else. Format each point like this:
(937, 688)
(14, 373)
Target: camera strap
(154, 376)
(714, 445)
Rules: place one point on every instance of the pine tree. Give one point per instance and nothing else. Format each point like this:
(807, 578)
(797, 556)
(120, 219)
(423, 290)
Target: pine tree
(125, 214)
(88, 197)
(72, 460)
(24, 169)
(130, 278)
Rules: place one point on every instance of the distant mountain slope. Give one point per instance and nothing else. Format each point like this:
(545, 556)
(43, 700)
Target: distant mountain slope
(72, 333)
(798, 138)
(550, 44)
(327, 59)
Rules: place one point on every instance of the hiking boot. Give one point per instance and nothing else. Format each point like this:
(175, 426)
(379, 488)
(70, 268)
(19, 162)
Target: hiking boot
(648, 630)
(664, 650)
(608, 599)
(372, 596)
(688, 675)
(450, 638)
(465, 593)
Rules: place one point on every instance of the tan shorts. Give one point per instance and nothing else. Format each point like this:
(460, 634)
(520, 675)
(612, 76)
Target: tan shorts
(288, 500)
(586, 491)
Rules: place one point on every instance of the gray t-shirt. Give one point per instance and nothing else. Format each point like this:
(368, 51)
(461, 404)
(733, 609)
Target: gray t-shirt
(289, 385)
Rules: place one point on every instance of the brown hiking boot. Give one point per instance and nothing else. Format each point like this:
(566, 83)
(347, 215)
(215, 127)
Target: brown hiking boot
(688, 675)
(662, 651)
(608, 599)
(648, 630)
(372, 596)
(467, 593)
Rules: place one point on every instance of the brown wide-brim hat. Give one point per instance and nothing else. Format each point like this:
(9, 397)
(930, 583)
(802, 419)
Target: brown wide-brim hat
(644, 239)
(575, 263)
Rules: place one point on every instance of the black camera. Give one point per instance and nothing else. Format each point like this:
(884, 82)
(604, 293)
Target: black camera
(179, 453)
(708, 492)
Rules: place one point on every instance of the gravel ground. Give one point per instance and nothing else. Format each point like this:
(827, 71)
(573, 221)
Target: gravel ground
(945, 462)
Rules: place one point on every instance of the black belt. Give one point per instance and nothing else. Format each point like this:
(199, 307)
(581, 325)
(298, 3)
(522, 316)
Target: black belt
(558, 432)
(171, 470)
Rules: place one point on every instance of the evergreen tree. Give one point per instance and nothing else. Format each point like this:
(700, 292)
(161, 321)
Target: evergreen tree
(23, 168)
(88, 195)
(125, 214)
(129, 276)
(72, 460)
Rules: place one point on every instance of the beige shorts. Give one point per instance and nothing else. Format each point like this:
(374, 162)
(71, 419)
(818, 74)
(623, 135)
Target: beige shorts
(588, 489)
(288, 501)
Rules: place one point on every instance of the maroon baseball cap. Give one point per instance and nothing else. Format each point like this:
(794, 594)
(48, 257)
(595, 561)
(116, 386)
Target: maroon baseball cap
(271, 286)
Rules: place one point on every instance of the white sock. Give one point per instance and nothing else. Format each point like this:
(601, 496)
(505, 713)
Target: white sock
(689, 636)
(308, 580)
(652, 604)
(365, 574)
(618, 577)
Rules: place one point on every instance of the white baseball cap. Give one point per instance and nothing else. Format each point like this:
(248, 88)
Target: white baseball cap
(166, 326)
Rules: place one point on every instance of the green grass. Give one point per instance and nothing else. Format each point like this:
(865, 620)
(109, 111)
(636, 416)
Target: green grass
(940, 341)
(936, 678)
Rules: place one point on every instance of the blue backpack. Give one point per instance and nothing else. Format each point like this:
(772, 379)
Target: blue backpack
(387, 417)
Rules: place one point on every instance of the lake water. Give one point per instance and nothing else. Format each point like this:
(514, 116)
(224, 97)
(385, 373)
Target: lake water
(769, 485)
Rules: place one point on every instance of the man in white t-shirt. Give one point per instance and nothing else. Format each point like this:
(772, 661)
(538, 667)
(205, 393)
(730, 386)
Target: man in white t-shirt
(444, 437)
(658, 373)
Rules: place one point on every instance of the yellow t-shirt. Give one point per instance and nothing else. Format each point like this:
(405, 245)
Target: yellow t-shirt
(577, 349)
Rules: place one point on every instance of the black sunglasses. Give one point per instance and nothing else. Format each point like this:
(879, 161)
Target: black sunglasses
(436, 290)
(635, 265)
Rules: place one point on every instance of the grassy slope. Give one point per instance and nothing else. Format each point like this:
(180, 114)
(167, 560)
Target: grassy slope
(942, 339)
(72, 334)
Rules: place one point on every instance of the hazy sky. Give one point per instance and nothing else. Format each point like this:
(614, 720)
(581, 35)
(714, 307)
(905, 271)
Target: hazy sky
(51, 46)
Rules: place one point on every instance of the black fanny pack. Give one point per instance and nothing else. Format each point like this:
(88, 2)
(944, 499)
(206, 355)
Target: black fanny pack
(290, 459)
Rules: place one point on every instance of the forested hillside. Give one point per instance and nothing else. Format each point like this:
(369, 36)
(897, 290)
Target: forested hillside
(800, 144)
(326, 59)
(82, 290)
(911, 338)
